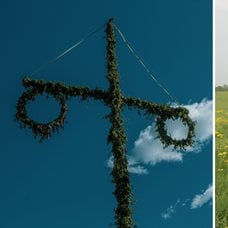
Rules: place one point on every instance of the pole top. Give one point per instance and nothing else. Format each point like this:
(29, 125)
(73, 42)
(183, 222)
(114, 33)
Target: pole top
(111, 20)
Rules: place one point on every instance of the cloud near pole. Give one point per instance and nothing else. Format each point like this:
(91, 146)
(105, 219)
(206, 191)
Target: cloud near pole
(148, 150)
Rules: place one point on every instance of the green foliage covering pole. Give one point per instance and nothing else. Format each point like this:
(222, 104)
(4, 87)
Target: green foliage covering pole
(117, 137)
(113, 98)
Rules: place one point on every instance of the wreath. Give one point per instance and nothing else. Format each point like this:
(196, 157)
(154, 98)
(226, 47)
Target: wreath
(44, 130)
(166, 138)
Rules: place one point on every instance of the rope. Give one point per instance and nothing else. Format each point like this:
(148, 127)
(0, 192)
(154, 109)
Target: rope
(133, 51)
(66, 51)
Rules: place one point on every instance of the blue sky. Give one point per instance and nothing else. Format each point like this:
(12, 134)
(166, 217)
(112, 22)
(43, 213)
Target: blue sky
(66, 182)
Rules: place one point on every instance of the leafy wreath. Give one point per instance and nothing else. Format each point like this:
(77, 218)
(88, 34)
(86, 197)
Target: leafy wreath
(166, 139)
(44, 130)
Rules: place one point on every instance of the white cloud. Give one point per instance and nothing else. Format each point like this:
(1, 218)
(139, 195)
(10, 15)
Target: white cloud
(168, 213)
(198, 201)
(172, 209)
(201, 199)
(202, 113)
(148, 150)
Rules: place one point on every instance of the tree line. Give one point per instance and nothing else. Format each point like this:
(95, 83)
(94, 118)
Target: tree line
(221, 88)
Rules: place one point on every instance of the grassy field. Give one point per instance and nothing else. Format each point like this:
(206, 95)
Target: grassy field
(221, 134)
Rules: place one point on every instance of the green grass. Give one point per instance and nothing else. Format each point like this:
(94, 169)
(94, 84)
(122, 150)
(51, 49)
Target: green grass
(221, 167)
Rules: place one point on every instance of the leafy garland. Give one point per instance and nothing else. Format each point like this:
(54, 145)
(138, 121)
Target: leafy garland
(117, 138)
(163, 113)
(43, 130)
(166, 139)
(61, 93)
(114, 99)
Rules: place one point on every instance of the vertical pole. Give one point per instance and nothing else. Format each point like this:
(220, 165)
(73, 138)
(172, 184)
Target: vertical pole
(117, 137)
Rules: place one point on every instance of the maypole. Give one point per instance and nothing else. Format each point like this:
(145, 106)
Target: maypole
(117, 137)
(114, 99)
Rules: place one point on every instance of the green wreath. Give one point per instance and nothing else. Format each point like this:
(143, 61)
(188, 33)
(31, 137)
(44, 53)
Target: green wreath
(44, 130)
(166, 138)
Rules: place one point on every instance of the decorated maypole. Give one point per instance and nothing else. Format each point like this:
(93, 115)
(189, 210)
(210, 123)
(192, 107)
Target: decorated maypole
(117, 136)
(114, 99)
